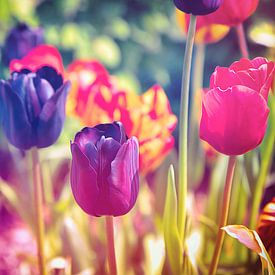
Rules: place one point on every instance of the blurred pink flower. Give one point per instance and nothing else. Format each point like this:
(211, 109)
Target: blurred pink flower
(233, 12)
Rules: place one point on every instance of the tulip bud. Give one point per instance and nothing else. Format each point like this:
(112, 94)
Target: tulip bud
(34, 107)
(234, 109)
(20, 40)
(198, 7)
(104, 173)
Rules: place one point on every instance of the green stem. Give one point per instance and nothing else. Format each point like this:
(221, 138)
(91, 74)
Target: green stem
(183, 126)
(111, 245)
(266, 160)
(38, 207)
(224, 215)
(242, 41)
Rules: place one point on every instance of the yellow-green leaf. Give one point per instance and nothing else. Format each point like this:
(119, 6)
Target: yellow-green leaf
(171, 234)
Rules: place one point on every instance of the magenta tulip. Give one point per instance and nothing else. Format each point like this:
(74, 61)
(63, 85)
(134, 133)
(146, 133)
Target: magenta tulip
(234, 109)
(104, 174)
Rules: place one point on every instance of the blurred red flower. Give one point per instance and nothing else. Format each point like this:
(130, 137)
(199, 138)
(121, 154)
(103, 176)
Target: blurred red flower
(95, 99)
(266, 228)
(41, 56)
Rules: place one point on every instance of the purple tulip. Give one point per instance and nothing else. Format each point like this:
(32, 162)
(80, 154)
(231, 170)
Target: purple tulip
(104, 174)
(33, 107)
(198, 7)
(20, 40)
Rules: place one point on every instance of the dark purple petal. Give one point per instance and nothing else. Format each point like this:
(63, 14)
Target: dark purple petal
(85, 136)
(83, 181)
(114, 130)
(51, 75)
(107, 150)
(15, 120)
(198, 7)
(44, 90)
(124, 180)
(51, 119)
(20, 40)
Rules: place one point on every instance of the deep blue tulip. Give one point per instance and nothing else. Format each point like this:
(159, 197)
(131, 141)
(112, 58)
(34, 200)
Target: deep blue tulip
(20, 40)
(33, 107)
(198, 7)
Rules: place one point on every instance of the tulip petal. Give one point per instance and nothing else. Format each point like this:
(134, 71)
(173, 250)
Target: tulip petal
(114, 130)
(51, 75)
(107, 151)
(51, 118)
(234, 121)
(224, 78)
(124, 180)
(15, 120)
(83, 181)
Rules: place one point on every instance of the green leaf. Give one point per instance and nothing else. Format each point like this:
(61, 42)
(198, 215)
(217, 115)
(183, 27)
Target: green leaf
(173, 244)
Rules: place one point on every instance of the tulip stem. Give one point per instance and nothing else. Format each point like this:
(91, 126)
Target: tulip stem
(266, 160)
(183, 126)
(242, 40)
(38, 208)
(110, 245)
(224, 214)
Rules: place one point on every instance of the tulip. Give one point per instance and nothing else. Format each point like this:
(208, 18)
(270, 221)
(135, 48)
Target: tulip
(41, 56)
(233, 12)
(87, 77)
(20, 40)
(234, 109)
(198, 7)
(266, 227)
(206, 31)
(34, 107)
(104, 173)
(95, 99)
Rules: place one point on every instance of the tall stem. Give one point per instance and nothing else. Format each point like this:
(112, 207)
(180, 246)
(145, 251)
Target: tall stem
(183, 126)
(242, 41)
(224, 215)
(266, 161)
(111, 245)
(38, 208)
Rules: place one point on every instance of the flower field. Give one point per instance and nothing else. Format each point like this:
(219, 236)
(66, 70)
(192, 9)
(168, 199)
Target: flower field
(137, 137)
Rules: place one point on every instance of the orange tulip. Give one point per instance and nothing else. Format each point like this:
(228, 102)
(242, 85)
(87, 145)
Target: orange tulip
(95, 99)
(206, 31)
(266, 228)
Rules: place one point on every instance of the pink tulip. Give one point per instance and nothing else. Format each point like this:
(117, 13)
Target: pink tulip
(234, 109)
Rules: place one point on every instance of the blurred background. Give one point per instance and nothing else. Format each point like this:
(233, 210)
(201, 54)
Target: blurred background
(137, 40)
(140, 42)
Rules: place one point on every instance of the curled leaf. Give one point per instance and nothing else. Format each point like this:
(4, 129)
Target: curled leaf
(251, 240)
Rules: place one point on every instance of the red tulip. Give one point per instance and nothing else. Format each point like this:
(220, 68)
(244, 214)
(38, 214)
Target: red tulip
(233, 12)
(235, 110)
(41, 56)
